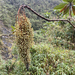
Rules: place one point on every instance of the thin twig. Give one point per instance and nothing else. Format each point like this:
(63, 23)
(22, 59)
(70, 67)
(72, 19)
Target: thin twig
(25, 6)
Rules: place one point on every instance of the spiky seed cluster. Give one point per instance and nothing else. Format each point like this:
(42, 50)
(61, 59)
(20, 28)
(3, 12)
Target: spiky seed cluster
(24, 38)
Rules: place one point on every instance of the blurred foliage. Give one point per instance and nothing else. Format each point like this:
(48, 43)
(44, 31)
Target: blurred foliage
(51, 54)
(58, 33)
(68, 6)
(8, 10)
(46, 60)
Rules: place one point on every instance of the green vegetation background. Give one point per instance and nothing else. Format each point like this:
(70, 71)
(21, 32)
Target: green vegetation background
(53, 52)
(9, 8)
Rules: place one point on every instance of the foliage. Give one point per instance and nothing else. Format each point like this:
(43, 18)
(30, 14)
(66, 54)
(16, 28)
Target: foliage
(59, 34)
(46, 60)
(39, 36)
(50, 54)
(6, 14)
(65, 7)
(8, 11)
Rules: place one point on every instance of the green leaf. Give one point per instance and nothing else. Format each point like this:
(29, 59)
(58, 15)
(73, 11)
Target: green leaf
(60, 6)
(13, 28)
(66, 10)
(70, 0)
(67, 0)
(63, 8)
(73, 8)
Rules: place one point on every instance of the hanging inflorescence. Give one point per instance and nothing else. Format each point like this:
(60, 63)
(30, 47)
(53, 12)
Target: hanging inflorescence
(24, 36)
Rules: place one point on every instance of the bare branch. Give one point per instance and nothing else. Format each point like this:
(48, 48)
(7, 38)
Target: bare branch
(25, 6)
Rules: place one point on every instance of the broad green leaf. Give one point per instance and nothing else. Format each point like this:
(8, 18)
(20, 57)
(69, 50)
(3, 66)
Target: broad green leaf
(67, 0)
(70, 0)
(73, 8)
(66, 10)
(60, 6)
(63, 8)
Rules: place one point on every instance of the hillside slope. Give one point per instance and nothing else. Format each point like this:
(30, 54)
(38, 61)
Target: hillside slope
(46, 60)
(8, 10)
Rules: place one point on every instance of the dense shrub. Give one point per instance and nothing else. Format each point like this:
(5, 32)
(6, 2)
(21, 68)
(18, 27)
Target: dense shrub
(46, 60)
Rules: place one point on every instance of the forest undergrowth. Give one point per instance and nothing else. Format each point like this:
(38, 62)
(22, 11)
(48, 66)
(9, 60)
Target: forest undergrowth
(53, 51)
(45, 60)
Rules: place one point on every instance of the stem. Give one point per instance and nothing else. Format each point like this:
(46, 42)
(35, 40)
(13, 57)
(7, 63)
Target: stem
(25, 6)
(70, 9)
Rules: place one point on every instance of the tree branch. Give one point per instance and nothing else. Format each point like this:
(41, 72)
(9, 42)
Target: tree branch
(25, 6)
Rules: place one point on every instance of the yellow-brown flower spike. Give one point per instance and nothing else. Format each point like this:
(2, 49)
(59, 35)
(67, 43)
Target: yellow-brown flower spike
(24, 38)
